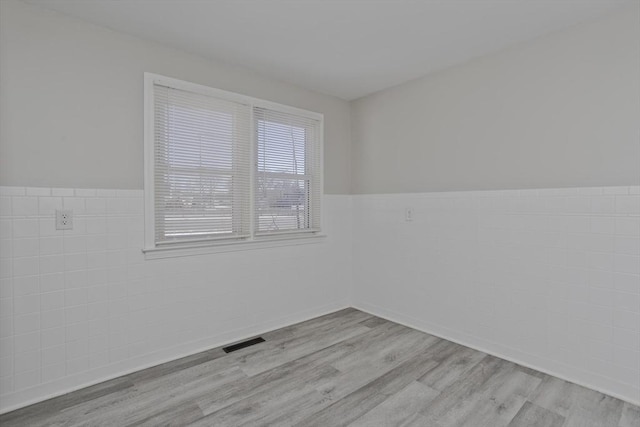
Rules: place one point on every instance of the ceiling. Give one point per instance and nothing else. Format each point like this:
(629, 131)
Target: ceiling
(345, 48)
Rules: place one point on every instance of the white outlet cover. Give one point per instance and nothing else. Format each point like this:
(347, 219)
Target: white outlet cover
(64, 219)
(408, 214)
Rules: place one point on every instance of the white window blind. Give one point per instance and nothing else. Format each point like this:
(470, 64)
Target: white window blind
(201, 166)
(223, 169)
(287, 175)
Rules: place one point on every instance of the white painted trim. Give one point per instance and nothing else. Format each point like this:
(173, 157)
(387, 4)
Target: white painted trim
(219, 341)
(289, 320)
(149, 211)
(321, 172)
(414, 324)
(230, 96)
(253, 161)
(611, 190)
(253, 241)
(232, 246)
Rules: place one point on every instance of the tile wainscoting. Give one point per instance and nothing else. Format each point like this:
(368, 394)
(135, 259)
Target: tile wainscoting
(83, 305)
(548, 278)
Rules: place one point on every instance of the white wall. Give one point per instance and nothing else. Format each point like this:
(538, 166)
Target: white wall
(548, 278)
(81, 306)
(559, 111)
(71, 108)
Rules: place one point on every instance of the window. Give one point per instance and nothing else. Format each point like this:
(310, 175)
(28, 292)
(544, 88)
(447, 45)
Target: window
(286, 187)
(225, 168)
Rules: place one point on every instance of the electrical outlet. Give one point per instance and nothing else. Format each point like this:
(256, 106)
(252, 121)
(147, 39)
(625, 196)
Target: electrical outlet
(408, 214)
(64, 219)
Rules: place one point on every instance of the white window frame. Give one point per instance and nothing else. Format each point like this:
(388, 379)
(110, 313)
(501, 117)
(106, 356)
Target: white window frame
(152, 250)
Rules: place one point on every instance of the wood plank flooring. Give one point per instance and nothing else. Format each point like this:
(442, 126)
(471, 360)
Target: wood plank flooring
(344, 369)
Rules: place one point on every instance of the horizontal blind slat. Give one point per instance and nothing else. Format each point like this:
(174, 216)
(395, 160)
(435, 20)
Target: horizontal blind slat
(201, 166)
(287, 173)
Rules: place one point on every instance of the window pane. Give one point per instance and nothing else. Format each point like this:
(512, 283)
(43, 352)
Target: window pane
(281, 204)
(192, 144)
(281, 147)
(287, 185)
(202, 147)
(197, 205)
(226, 169)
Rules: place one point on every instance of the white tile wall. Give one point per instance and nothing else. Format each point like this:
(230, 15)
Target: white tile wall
(83, 305)
(549, 278)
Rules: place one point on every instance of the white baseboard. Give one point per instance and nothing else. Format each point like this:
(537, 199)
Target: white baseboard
(73, 383)
(430, 329)
(43, 392)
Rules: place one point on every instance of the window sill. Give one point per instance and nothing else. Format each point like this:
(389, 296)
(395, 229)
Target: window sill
(233, 246)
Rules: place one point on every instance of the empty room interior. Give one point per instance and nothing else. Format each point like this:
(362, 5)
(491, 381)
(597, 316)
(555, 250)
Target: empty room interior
(320, 213)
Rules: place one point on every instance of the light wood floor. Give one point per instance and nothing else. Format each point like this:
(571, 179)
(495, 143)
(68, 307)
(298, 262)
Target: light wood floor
(346, 368)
